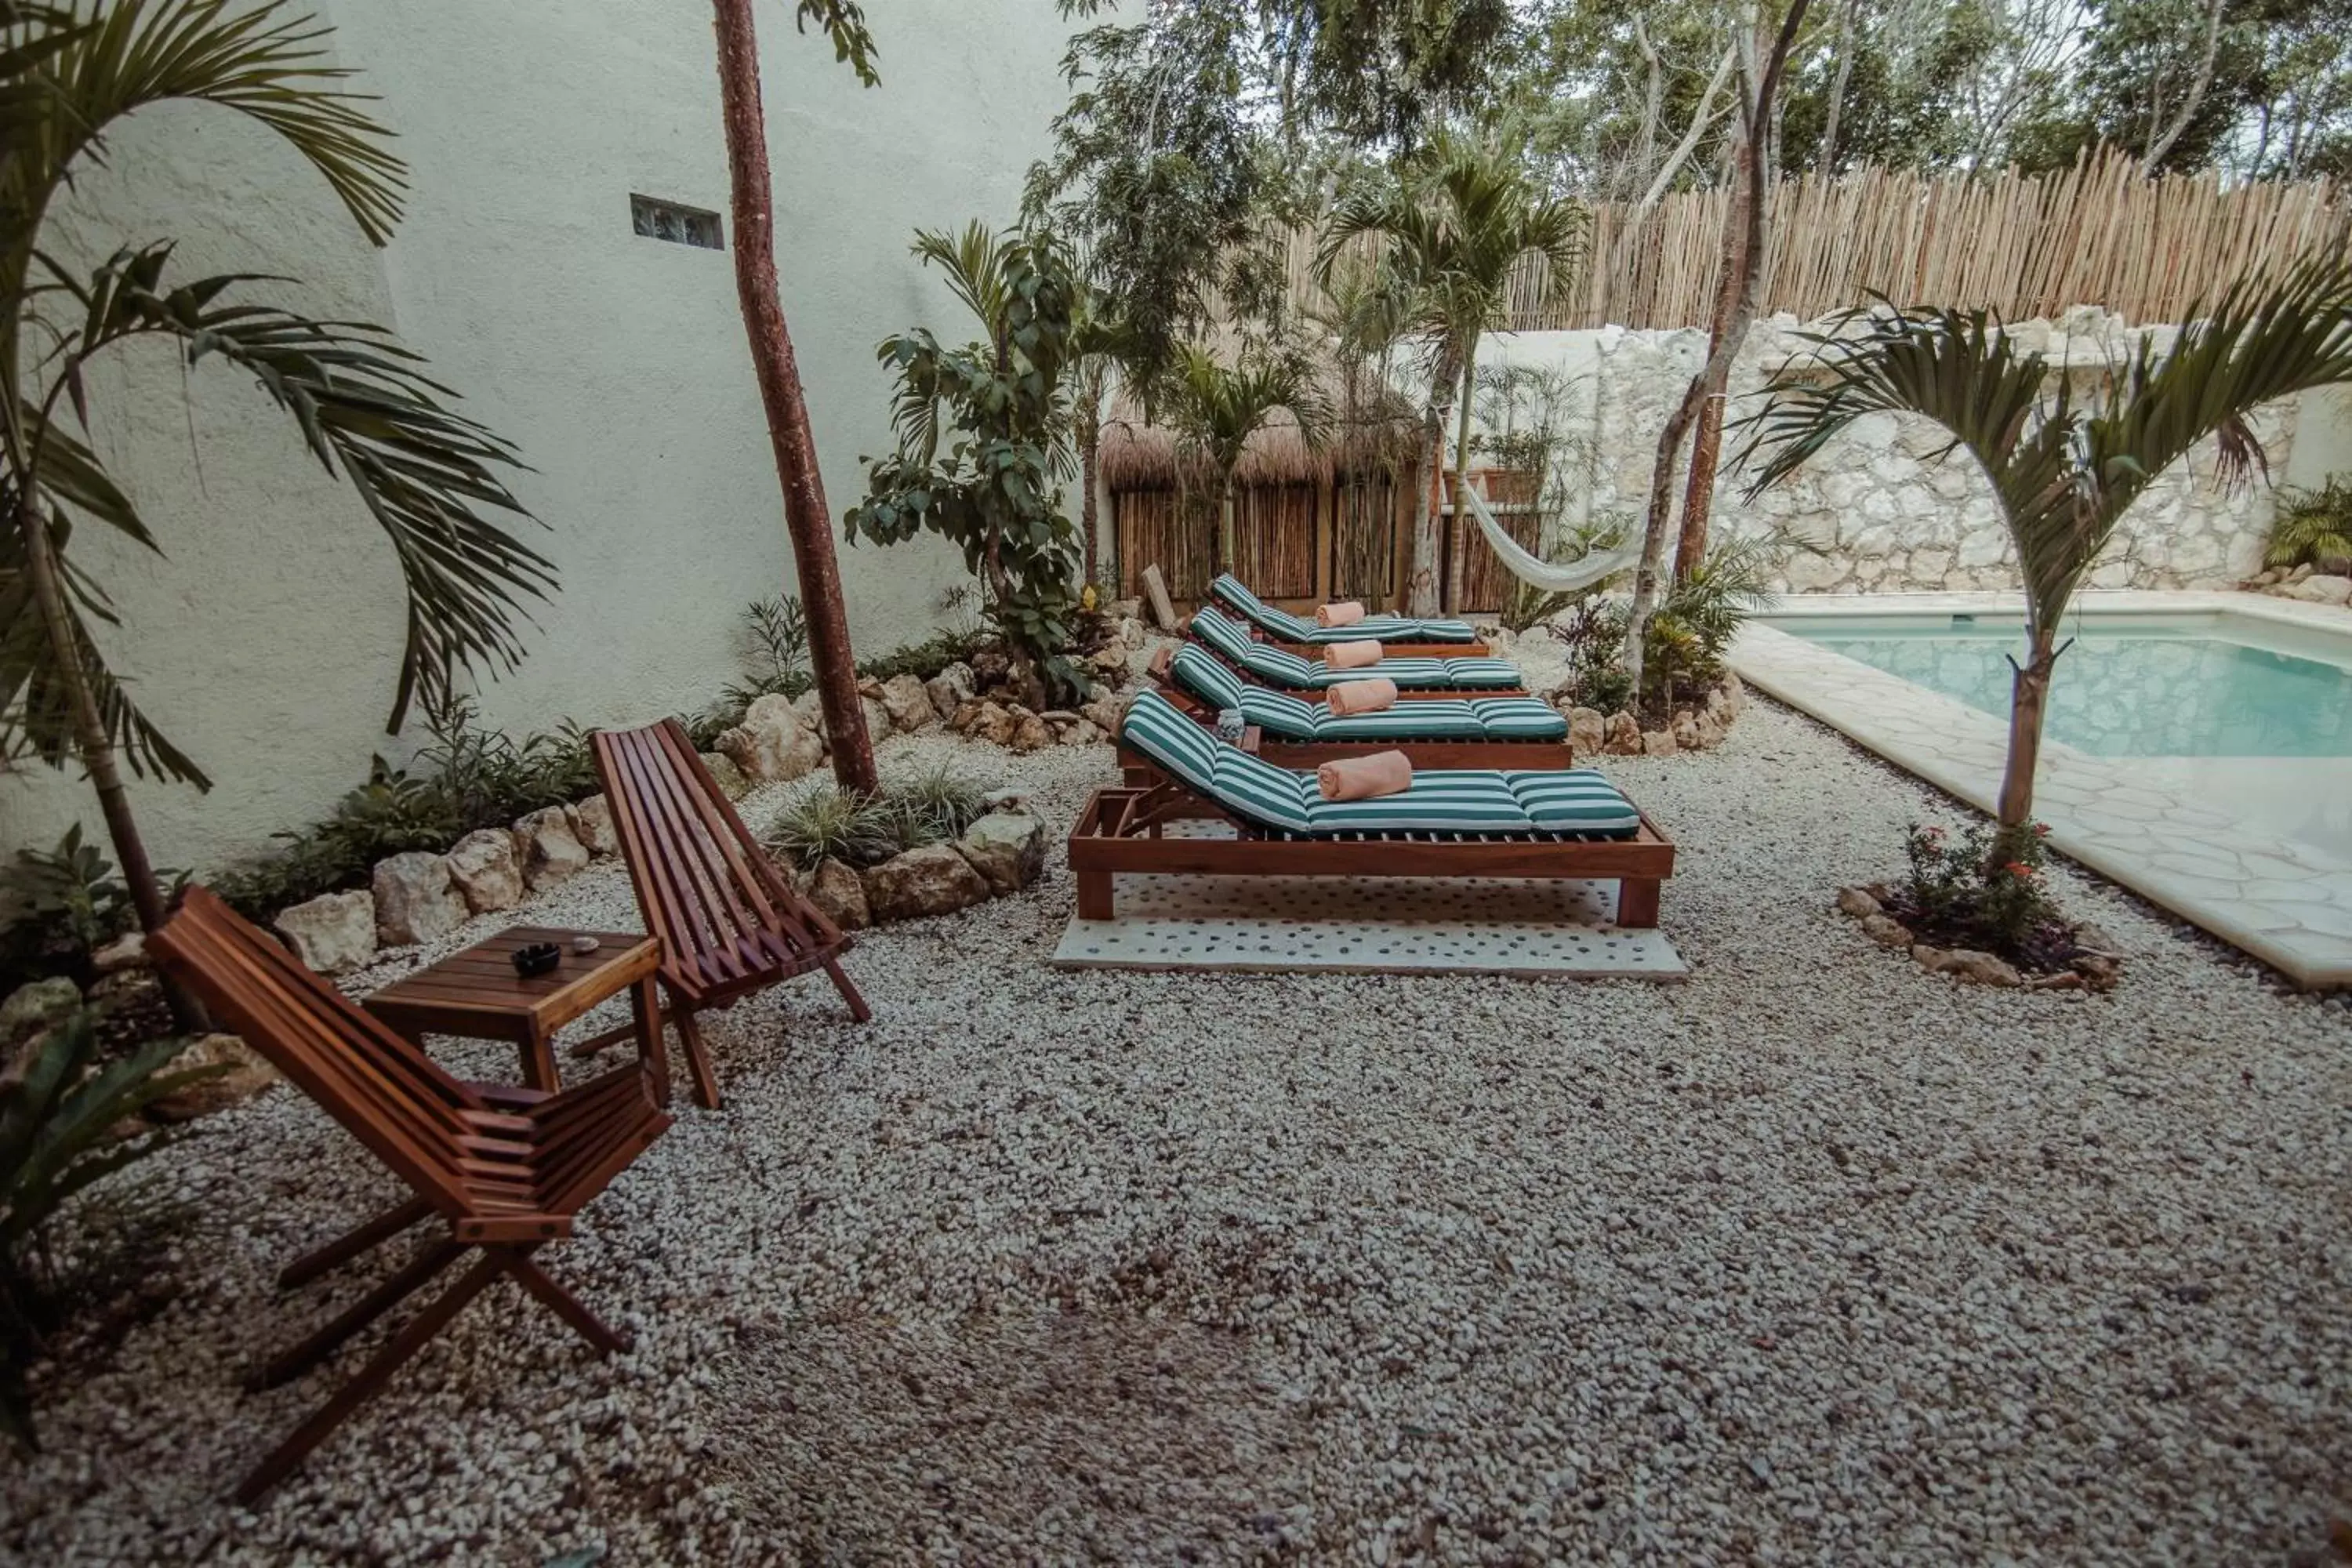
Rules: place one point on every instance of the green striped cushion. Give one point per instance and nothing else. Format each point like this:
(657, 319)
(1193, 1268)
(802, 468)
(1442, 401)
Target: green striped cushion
(1481, 673)
(1437, 719)
(1414, 674)
(1281, 623)
(1519, 719)
(1197, 671)
(1575, 800)
(1468, 800)
(1221, 634)
(1158, 729)
(1255, 789)
(1280, 713)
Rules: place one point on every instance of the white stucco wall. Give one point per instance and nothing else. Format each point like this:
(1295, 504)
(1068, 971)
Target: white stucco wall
(266, 642)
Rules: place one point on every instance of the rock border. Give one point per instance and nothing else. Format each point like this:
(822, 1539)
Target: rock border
(2098, 967)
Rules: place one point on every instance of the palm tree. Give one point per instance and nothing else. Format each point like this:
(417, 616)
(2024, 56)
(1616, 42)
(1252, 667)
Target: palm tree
(807, 520)
(1364, 315)
(364, 407)
(1215, 409)
(1453, 229)
(2065, 465)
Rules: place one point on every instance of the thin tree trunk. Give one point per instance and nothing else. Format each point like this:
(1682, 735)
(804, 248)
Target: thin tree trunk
(1088, 517)
(1736, 283)
(2195, 98)
(1429, 533)
(1826, 161)
(1653, 99)
(1701, 117)
(1224, 559)
(2029, 699)
(1453, 596)
(807, 519)
(1717, 372)
(97, 749)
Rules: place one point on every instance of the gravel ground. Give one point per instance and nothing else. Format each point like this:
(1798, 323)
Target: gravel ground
(1816, 1257)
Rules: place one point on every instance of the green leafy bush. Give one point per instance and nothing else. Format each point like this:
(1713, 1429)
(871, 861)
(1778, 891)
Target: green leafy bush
(828, 822)
(1983, 889)
(1595, 637)
(775, 633)
(59, 1108)
(2311, 527)
(64, 905)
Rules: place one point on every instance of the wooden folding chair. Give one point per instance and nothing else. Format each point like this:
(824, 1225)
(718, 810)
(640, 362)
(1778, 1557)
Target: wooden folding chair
(507, 1168)
(730, 923)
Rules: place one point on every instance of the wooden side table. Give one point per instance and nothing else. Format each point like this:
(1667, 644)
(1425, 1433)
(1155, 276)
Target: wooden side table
(477, 994)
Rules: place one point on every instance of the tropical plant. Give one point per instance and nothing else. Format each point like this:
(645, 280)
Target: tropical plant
(1451, 228)
(994, 490)
(1702, 613)
(2064, 464)
(933, 807)
(2312, 526)
(829, 823)
(1215, 409)
(775, 645)
(430, 478)
(1525, 605)
(1363, 316)
(61, 1105)
(807, 519)
(1983, 889)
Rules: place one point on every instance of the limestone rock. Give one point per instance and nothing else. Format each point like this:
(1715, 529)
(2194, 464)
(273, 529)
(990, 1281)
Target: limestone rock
(951, 689)
(989, 721)
(483, 865)
(1686, 732)
(1857, 903)
(1085, 732)
(549, 851)
(931, 880)
(1105, 713)
(1659, 743)
(1588, 732)
(1886, 931)
(727, 775)
(1007, 849)
(1706, 730)
(775, 747)
(416, 899)
(1111, 659)
(126, 951)
(1967, 963)
(243, 1075)
(784, 712)
(592, 824)
(333, 933)
(35, 1006)
(835, 889)
(1624, 736)
(1030, 732)
(908, 705)
(2321, 588)
(877, 717)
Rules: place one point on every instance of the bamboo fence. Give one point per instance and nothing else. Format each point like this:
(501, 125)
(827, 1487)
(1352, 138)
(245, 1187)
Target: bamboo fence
(2024, 246)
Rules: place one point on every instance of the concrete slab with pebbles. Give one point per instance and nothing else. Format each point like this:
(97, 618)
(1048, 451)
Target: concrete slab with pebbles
(1814, 1257)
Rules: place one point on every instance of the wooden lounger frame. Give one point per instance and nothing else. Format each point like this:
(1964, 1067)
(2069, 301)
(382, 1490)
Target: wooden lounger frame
(1120, 830)
(1406, 694)
(1522, 755)
(1472, 649)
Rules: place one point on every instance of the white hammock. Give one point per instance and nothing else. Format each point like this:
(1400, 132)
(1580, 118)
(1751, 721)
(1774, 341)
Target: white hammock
(1552, 578)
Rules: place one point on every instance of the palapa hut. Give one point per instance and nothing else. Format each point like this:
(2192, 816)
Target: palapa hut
(1310, 524)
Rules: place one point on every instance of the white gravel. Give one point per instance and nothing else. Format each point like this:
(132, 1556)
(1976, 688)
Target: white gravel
(1816, 1257)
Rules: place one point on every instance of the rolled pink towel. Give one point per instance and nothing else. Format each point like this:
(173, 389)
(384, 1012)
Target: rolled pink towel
(1362, 778)
(1346, 612)
(1360, 695)
(1351, 655)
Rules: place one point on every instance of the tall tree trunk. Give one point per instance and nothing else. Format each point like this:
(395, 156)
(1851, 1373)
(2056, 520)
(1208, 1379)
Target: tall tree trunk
(1088, 517)
(806, 517)
(1461, 477)
(1735, 281)
(1717, 372)
(46, 580)
(1429, 531)
(1225, 554)
(1825, 160)
(2029, 699)
(2194, 99)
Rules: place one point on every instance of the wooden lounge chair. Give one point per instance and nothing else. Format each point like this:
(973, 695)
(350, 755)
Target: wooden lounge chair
(1418, 676)
(1403, 636)
(1457, 823)
(507, 1168)
(1508, 733)
(728, 923)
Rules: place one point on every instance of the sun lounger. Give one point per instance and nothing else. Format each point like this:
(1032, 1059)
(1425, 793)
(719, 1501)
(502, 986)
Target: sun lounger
(1402, 634)
(1507, 732)
(1467, 823)
(1418, 675)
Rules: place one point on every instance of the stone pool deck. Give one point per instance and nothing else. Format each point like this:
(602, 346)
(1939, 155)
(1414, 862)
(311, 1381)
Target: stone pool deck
(2135, 819)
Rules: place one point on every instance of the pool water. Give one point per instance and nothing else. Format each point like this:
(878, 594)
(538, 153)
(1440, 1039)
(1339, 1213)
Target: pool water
(2132, 688)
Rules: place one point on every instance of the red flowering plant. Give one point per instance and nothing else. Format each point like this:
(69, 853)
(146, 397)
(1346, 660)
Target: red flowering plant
(1983, 888)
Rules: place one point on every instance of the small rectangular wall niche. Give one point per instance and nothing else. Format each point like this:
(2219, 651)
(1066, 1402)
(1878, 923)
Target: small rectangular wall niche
(659, 219)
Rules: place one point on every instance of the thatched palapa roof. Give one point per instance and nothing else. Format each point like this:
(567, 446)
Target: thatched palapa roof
(1385, 430)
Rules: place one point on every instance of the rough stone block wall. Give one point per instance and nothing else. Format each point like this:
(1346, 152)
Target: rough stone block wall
(1880, 510)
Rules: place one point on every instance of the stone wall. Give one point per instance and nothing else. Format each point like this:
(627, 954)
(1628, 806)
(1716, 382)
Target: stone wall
(1880, 512)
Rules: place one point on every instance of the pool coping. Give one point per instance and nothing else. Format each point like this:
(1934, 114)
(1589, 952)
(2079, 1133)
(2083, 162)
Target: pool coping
(2287, 903)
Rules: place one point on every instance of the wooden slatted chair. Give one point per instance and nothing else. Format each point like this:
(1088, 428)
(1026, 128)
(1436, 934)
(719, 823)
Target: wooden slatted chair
(507, 1168)
(730, 923)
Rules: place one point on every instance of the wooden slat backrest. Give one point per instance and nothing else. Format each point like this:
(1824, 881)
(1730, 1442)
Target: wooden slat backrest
(704, 885)
(414, 1117)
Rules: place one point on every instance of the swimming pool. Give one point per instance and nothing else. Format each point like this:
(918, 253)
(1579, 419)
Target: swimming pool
(2204, 685)
(2197, 748)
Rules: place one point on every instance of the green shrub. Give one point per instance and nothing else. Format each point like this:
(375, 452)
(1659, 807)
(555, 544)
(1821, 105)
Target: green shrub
(2312, 526)
(57, 1123)
(1986, 886)
(64, 905)
(932, 806)
(831, 823)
